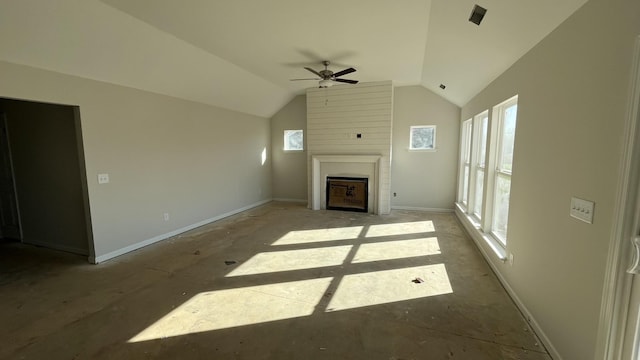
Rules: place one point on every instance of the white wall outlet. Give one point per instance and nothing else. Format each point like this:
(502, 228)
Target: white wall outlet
(166, 216)
(511, 259)
(582, 209)
(103, 178)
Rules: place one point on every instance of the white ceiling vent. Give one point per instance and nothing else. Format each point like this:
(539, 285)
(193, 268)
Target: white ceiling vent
(477, 14)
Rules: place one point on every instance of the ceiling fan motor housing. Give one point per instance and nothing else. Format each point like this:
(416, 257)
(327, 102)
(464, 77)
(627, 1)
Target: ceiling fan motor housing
(326, 74)
(327, 77)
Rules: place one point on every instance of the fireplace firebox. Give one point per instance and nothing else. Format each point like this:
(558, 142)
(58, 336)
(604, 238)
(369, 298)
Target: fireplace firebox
(347, 193)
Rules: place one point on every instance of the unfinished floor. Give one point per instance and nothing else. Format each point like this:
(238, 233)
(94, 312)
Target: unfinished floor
(276, 282)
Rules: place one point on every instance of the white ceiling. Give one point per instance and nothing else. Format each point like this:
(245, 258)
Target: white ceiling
(241, 54)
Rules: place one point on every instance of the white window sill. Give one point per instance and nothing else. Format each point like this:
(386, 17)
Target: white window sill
(422, 150)
(480, 237)
(292, 151)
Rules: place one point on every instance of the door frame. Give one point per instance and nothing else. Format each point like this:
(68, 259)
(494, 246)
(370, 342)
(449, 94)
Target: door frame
(617, 287)
(6, 137)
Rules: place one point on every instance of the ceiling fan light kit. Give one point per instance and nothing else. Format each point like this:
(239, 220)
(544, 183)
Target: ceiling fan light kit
(325, 83)
(328, 77)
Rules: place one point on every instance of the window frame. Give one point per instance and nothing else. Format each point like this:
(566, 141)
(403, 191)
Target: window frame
(484, 227)
(412, 127)
(502, 173)
(481, 123)
(466, 132)
(286, 137)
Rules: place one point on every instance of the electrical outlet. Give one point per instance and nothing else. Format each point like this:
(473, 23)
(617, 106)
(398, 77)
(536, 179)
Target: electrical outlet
(511, 259)
(103, 178)
(166, 216)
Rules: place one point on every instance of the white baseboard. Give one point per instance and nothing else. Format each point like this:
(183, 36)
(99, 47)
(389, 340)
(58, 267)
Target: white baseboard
(421, 209)
(155, 239)
(478, 240)
(302, 201)
(70, 249)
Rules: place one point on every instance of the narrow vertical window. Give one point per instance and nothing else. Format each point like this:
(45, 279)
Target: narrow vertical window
(465, 161)
(482, 123)
(293, 140)
(507, 114)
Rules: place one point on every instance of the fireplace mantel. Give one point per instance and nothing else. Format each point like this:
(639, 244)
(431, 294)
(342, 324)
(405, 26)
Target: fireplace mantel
(320, 168)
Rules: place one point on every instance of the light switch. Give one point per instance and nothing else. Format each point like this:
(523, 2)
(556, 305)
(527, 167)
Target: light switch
(582, 209)
(103, 178)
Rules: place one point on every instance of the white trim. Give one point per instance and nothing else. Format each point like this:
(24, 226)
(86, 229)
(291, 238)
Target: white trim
(422, 209)
(480, 238)
(477, 237)
(422, 150)
(155, 239)
(616, 291)
(291, 200)
(316, 181)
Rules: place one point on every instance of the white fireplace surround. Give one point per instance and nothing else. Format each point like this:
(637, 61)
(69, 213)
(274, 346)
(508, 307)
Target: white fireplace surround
(336, 165)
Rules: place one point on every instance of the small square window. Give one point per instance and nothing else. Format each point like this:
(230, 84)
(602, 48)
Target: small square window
(422, 137)
(293, 140)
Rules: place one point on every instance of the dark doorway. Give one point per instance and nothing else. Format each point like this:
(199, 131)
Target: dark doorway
(9, 216)
(42, 165)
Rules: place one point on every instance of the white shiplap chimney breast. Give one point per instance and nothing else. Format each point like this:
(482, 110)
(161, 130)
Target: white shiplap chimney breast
(346, 124)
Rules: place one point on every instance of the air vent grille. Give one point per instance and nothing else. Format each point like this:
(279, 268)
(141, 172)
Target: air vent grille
(477, 14)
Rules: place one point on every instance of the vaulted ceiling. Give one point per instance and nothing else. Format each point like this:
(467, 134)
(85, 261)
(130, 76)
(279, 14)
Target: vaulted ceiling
(240, 54)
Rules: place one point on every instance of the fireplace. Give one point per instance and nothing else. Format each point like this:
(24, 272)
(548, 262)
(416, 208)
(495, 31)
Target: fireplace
(347, 193)
(348, 166)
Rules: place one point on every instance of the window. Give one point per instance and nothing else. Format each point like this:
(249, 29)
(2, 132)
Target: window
(293, 140)
(422, 137)
(465, 161)
(506, 114)
(482, 123)
(486, 159)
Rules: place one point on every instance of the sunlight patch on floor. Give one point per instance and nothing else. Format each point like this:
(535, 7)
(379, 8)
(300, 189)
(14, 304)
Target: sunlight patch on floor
(400, 228)
(223, 309)
(319, 235)
(276, 261)
(382, 287)
(400, 249)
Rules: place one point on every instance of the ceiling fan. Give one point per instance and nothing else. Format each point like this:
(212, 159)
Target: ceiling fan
(328, 77)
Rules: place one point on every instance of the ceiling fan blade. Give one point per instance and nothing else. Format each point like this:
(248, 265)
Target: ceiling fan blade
(346, 81)
(344, 72)
(305, 79)
(313, 71)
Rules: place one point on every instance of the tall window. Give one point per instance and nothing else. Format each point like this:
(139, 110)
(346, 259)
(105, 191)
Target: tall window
(486, 159)
(465, 161)
(293, 140)
(507, 114)
(482, 123)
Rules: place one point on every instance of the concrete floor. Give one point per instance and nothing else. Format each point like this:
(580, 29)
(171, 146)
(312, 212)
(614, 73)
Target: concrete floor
(305, 285)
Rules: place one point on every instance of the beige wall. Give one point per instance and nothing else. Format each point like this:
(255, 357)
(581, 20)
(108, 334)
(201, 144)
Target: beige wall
(163, 155)
(573, 92)
(421, 180)
(424, 179)
(47, 174)
(289, 167)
